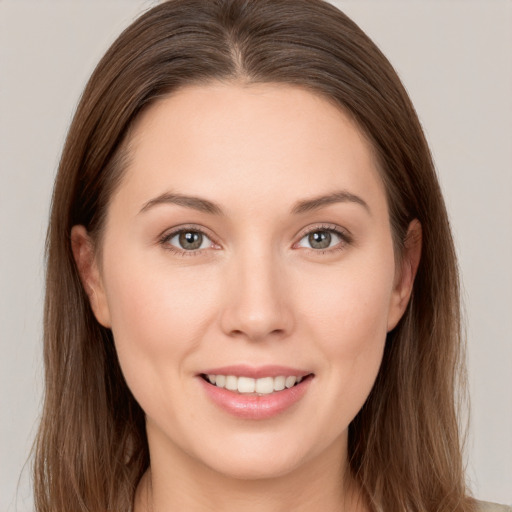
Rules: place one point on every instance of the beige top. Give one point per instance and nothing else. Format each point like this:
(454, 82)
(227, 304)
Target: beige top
(485, 506)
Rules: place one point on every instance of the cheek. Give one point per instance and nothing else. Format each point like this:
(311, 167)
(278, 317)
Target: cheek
(348, 318)
(351, 306)
(158, 317)
(149, 296)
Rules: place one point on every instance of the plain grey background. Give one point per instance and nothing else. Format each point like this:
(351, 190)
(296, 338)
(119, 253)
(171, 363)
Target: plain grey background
(455, 58)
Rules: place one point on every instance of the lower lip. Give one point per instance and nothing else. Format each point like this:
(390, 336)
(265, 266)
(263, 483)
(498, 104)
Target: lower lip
(256, 407)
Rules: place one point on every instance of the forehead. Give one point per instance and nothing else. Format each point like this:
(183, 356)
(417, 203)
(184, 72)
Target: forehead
(247, 142)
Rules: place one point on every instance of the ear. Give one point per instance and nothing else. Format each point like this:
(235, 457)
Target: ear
(404, 281)
(87, 265)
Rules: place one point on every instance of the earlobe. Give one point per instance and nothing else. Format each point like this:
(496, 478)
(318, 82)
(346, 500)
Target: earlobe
(84, 255)
(410, 260)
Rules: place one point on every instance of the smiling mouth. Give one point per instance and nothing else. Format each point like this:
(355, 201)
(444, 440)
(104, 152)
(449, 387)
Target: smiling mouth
(249, 386)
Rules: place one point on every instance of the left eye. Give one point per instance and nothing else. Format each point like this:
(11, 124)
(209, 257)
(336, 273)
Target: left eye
(320, 239)
(189, 240)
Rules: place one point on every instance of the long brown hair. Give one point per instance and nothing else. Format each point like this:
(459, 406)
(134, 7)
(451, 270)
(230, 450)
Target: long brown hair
(404, 445)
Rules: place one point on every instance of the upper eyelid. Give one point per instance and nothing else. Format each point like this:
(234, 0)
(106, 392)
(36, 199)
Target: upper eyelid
(171, 232)
(323, 227)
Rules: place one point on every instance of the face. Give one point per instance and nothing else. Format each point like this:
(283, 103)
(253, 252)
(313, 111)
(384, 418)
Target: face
(248, 275)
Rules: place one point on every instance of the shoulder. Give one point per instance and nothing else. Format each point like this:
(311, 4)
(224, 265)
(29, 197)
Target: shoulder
(485, 506)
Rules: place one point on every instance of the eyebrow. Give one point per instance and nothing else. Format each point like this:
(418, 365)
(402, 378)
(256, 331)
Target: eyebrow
(196, 203)
(206, 206)
(341, 196)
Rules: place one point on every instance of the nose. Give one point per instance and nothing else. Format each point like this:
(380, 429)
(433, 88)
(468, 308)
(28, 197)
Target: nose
(257, 303)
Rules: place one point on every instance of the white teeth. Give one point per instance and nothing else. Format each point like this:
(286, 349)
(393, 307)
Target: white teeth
(262, 386)
(231, 383)
(279, 383)
(265, 385)
(290, 381)
(246, 385)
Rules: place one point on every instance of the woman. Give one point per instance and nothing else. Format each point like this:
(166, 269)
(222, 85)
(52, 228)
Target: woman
(252, 294)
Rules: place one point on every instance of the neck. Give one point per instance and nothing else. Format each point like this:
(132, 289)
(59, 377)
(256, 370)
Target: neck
(323, 484)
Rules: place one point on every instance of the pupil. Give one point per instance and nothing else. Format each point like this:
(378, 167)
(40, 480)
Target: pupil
(190, 240)
(320, 239)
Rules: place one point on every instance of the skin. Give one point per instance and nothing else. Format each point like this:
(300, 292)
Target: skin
(256, 293)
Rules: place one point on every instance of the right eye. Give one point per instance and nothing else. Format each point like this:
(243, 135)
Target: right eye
(187, 240)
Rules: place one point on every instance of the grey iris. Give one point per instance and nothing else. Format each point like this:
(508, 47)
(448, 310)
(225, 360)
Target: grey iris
(320, 239)
(190, 240)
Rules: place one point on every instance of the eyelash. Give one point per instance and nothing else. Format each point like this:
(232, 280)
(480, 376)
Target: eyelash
(342, 234)
(165, 239)
(345, 237)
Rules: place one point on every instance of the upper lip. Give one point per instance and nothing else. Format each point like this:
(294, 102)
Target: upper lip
(256, 372)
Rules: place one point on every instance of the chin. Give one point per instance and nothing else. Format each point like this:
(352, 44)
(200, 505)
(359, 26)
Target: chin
(241, 468)
(259, 459)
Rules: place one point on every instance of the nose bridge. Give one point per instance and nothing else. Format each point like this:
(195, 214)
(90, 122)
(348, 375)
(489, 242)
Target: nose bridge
(257, 304)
